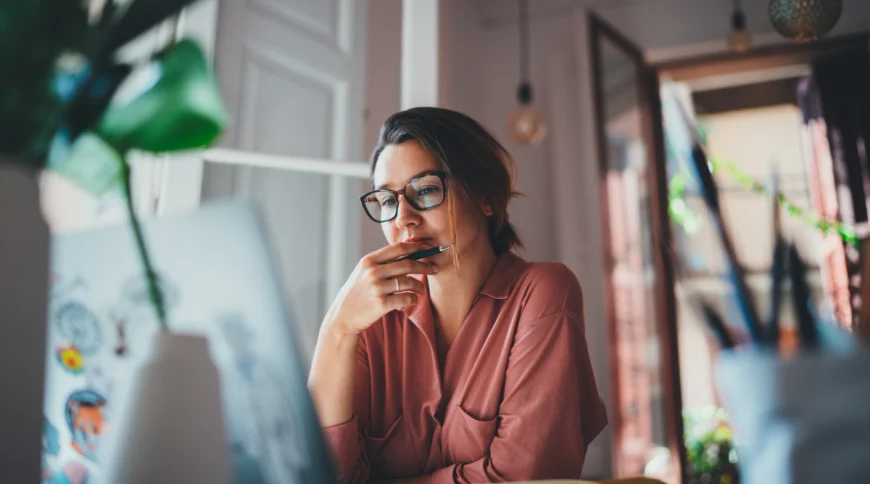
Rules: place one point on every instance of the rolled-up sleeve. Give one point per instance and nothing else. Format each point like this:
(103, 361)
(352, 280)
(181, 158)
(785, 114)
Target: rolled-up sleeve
(346, 440)
(550, 409)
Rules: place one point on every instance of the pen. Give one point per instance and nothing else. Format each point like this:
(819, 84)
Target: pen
(422, 253)
(717, 326)
(807, 329)
(710, 194)
(777, 267)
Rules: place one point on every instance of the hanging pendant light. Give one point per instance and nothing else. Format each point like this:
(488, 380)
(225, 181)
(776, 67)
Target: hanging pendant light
(804, 19)
(739, 38)
(525, 124)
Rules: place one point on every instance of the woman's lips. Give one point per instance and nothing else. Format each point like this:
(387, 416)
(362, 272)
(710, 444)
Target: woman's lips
(417, 239)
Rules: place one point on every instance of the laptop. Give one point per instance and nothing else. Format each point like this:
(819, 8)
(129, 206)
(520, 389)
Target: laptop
(219, 281)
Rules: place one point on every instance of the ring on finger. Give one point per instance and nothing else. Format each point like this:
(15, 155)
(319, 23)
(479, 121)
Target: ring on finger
(397, 284)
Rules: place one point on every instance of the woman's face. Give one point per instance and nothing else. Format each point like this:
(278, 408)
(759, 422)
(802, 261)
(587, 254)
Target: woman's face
(399, 164)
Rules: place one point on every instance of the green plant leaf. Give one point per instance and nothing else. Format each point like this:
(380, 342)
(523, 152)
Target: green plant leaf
(182, 110)
(136, 19)
(90, 163)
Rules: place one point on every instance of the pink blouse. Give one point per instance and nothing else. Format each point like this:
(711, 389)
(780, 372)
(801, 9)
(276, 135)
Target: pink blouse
(516, 399)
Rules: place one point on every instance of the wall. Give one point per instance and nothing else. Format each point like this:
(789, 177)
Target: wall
(486, 79)
(383, 90)
(665, 28)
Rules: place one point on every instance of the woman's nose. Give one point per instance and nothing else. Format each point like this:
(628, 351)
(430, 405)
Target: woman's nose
(407, 215)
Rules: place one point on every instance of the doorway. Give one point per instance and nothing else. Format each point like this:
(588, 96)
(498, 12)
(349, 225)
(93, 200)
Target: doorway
(661, 356)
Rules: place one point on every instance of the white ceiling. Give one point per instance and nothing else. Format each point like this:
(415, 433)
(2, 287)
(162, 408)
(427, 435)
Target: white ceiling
(497, 12)
(494, 13)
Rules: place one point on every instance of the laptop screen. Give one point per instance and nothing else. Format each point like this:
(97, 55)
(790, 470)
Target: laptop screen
(219, 281)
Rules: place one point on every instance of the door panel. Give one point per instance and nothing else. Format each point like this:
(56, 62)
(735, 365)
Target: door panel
(640, 285)
(292, 72)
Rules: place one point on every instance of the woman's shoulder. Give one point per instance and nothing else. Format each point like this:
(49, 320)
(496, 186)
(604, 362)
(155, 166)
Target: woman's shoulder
(549, 288)
(550, 275)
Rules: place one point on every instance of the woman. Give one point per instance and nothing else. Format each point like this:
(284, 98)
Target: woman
(467, 366)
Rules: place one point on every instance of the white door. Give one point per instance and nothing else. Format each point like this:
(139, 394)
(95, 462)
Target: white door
(291, 72)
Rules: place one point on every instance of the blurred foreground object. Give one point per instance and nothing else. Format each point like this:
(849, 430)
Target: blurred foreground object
(798, 421)
(24, 244)
(59, 75)
(799, 417)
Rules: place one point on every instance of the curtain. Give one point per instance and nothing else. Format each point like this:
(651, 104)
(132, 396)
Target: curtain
(835, 101)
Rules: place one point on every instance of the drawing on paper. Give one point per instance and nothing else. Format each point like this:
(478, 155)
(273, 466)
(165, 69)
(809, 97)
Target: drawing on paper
(72, 473)
(78, 325)
(50, 448)
(135, 308)
(70, 359)
(260, 413)
(85, 417)
(136, 295)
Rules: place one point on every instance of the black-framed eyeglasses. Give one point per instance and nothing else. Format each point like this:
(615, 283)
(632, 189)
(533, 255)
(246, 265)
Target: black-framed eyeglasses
(425, 192)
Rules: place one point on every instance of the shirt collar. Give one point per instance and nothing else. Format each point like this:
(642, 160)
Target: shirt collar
(501, 281)
(504, 275)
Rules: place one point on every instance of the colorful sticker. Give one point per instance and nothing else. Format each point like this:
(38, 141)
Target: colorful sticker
(85, 416)
(73, 473)
(71, 359)
(79, 325)
(50, 447)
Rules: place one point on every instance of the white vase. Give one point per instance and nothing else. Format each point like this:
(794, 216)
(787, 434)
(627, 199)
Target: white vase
(169, 426)
(24, 269)
(798, 421)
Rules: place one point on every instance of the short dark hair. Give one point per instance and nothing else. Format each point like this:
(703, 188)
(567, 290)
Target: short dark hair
(476, 163)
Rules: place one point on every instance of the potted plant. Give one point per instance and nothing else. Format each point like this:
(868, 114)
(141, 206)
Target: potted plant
(59, 76)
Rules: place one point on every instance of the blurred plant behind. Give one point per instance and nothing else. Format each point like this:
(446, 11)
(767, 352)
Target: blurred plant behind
(34, 36)
(711, 455)
(59, 73)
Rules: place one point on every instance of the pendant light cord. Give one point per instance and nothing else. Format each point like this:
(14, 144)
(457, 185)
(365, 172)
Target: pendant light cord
(738, 17)
(524, 41)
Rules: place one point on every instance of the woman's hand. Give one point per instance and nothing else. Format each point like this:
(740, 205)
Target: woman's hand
(377, 287)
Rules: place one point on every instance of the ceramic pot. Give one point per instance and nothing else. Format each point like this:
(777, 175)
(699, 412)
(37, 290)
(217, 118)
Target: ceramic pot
(24, 278)
(798, 421)
(168, 424)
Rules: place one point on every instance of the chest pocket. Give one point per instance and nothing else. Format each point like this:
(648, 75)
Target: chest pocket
(466, 438)
(392, 453)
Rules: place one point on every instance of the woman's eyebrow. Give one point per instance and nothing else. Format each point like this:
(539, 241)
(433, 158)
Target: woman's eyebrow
(387, 185)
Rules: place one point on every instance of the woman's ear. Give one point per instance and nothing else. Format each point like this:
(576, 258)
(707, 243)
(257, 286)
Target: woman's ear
(486, 209)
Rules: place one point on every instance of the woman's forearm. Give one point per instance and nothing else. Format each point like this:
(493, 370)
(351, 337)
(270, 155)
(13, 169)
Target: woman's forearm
(331, 380)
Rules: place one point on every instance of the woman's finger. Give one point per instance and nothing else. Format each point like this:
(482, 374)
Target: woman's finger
(400, 284)
(399, 301)
(404, 267)
(394, 251)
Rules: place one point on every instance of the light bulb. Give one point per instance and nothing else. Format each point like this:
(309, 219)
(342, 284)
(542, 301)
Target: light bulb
(526, 125)
(739, 39)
